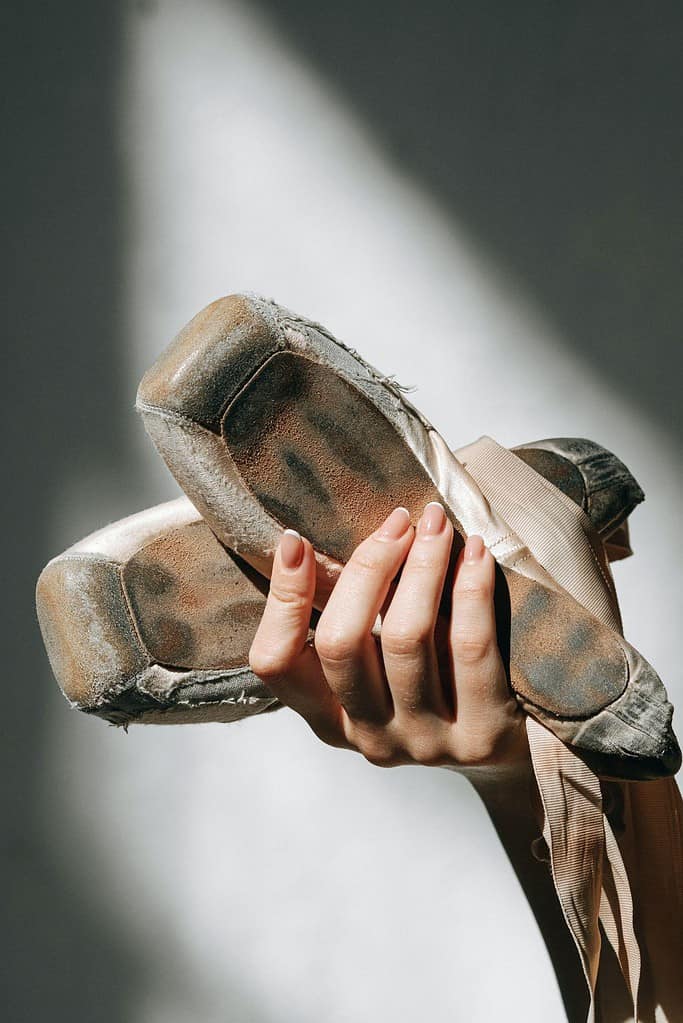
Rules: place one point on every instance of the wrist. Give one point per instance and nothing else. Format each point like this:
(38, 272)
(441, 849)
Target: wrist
(509, 792)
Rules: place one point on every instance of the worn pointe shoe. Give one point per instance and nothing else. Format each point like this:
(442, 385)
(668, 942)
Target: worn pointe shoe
(150, 620)
(179, 613)
(589, 475)
(592, 477)
(267, 421)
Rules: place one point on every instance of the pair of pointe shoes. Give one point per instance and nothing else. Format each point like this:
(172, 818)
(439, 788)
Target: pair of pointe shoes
(268, 422)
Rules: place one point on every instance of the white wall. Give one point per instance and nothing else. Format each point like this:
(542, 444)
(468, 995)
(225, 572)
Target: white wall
(260, 875)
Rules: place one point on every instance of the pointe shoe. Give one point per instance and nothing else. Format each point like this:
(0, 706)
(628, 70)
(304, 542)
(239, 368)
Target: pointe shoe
(267, 421)
(595, 479)
(589, 475)
(150, 620)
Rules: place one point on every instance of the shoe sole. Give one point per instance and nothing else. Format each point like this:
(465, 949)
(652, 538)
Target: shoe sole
(151, 620)
(268, 422)
(160, 590)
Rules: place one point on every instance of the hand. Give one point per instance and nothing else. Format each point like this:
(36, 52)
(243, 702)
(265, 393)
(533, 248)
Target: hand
(431, 689)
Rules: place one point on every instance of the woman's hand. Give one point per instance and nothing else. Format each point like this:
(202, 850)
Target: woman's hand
(427, 690)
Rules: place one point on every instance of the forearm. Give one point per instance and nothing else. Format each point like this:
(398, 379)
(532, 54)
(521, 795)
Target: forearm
(511, 799)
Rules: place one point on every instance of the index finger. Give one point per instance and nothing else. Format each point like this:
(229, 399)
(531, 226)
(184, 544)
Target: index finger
(280, 654)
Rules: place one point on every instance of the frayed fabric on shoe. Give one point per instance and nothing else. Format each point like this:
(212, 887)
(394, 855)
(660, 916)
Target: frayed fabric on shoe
(150, 620)
(267, 421)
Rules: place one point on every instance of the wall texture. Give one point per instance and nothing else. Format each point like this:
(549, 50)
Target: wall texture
(485, 201)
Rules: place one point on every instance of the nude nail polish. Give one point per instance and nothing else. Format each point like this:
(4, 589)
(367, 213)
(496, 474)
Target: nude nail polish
(474, 549)
(291, 549)
(395, 525)
(433, 520)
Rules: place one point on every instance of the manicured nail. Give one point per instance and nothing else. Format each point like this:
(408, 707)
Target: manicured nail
(474, 549)
(395, 525)
(433, 520)
(291, 549)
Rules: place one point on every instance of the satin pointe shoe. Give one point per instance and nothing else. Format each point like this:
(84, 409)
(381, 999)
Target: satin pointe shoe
(595, 479)
(267, 422)
(150, 620)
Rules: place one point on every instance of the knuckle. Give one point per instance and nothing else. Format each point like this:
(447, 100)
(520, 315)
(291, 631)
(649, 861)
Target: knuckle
(405, 641)
(268, 662)
(472, 649)
(380, 754)
(473, 588)
(376, 745)
(292, 599)
(423, 743)
(367, 559)
(478, 750)
(427, 752)
(424, 559)
(335, 645)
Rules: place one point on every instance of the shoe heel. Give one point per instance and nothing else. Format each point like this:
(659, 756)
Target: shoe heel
(593, 477)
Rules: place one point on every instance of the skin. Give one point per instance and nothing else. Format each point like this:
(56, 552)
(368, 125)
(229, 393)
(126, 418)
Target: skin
(394, 675)
(426, 689)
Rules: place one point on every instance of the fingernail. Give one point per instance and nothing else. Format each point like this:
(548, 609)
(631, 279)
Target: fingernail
(291, 549)
(474, 549)
(433, 519)
(395, 525)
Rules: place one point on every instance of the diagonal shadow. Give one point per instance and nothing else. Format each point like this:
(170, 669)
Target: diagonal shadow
(552, 133)
(60, 411)
(63, 395)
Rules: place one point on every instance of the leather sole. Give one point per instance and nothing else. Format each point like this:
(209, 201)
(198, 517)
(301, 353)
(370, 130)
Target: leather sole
(267, 421)
(150, 620)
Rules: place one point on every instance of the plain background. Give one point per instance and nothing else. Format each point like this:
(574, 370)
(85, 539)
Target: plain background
(484, 199)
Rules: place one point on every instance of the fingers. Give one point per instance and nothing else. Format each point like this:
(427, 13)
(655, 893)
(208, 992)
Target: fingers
(280, 654)
(347, 651)
(480, 681)
(340, 687)
(284, 625)
(408, 644)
